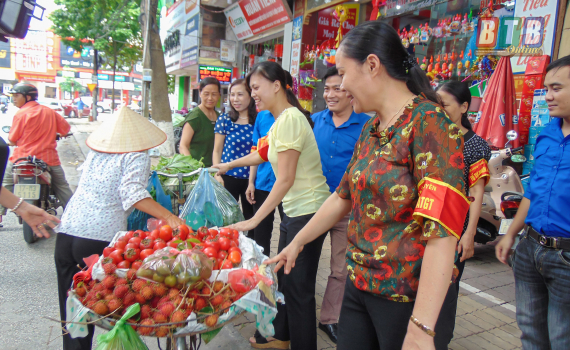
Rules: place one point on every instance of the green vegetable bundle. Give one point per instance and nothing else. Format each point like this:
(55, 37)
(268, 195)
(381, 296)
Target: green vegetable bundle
(177, 164)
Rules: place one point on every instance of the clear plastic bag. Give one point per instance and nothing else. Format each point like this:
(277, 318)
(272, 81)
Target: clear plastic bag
(210, 204)
(176, 268)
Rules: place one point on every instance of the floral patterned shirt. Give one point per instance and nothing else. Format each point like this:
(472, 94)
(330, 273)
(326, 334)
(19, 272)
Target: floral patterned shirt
(385, 243)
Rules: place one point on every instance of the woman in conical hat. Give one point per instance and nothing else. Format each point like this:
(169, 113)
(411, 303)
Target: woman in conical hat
(113, 183)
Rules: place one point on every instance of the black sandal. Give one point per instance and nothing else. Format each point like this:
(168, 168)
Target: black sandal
(262, 343)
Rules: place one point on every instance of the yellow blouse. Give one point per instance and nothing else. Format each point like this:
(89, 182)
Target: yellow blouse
(292, 131)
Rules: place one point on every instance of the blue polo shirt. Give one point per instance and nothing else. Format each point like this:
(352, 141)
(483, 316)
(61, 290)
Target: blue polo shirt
(549, 186)
(265, 177)
(336, 144)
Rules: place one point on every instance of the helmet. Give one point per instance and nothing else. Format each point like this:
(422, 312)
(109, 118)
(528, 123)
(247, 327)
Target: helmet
(25, 89)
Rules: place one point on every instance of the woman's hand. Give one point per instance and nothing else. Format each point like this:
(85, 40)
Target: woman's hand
(219, 178)
(246, 225)
(174, 221)
(416, 339)
(250, 193)
(466, 246)
(37, 218)
(222, 168)
(287, 257)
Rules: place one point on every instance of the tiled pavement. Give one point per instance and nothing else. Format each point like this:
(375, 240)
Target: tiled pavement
(480, 323)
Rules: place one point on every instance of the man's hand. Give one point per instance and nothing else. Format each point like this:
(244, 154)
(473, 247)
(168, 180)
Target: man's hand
(503, 248)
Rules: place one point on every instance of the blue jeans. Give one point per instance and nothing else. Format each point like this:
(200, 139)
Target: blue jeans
(542, 280)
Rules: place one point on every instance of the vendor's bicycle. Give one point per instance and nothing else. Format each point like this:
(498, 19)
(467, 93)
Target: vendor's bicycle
(181, 190)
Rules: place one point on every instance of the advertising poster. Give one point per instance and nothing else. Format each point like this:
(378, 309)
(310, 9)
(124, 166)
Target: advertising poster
(238, 22)
(328, 25)
(227, 50)
(262, 15)
(296, 46)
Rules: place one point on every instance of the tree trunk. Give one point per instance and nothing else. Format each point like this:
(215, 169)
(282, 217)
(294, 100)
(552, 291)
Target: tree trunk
(114, 70)
(160, 104)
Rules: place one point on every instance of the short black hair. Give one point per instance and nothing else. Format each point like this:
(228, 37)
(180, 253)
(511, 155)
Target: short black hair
(210, 81)
(559, 63)
(331, 72)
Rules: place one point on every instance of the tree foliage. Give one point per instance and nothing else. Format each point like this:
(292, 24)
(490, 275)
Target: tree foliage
(71, 85)
(110, 26)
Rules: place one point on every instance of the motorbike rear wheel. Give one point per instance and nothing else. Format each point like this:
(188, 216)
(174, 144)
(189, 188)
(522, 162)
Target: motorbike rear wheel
(29, 235)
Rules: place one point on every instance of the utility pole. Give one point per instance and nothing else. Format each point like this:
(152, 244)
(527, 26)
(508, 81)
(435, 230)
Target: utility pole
(94, 80)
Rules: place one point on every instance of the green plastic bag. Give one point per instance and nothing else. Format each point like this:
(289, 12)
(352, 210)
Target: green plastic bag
(122, 336)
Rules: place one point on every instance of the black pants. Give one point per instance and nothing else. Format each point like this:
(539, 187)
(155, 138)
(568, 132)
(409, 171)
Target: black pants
(262, 233)
(237, 188)
(371, 322)
(69, 252)
(295, 321)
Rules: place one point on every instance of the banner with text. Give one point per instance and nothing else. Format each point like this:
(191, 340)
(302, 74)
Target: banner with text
(262, 15)
(328, 25)
(238, 22)
(296, 46)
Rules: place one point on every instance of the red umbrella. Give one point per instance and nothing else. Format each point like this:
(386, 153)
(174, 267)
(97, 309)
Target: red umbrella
(498, 108)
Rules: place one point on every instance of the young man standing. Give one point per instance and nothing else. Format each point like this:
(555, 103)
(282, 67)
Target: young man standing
(542, 261)
(337, 129)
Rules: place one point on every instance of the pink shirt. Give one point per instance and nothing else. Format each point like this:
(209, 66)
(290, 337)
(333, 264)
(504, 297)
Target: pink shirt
(34, 130)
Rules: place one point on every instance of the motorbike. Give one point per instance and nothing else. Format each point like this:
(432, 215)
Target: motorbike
(510, 202)
(3, 107)
(32, 183)
(503, 178)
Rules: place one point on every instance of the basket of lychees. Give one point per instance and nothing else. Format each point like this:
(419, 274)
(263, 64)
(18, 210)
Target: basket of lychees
(185, 282)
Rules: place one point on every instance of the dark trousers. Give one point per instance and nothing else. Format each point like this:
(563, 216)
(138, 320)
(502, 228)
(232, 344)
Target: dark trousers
(371, 322)
(69, 252)
(296, 320)
(262, 233)
(237, 188)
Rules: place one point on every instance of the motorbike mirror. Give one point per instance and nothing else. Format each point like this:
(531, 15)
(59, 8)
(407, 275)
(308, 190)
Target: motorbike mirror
(512, 135)
(6, 129)
(518, 158)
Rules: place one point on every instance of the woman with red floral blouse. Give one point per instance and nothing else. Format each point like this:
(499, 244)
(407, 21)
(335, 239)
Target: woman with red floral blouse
(405, 188)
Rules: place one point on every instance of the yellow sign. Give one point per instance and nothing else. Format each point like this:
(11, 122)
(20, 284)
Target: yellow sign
(91, 87)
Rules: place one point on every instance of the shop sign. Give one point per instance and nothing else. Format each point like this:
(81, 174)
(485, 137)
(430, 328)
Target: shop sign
(35, 77)
(328, 24)
(227, 50)
(262, 15)
(547, 9)
(5, 54)
(296, 46)
(189, 55)
(223, 74)
(397, 7)
(237, 21)
(513, 35)
(31, 52)
(102, 77)
(68, 57)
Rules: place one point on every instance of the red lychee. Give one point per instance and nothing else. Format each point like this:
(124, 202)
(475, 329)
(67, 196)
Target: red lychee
(161, 332)
(159, 289)
(159, 317)
(121, 281)
(146, 330)
(131, 274)
(139, 284)
(100, 308)
(147, 292)
(217, 286)
(121, 290)
(80, 291)
(217, 300)
(199, 304)
(178, 316)
(167, 308)
(109, 282)
(211, 320)
(173, 293)
(139, 299)
(145, 311)
(109, 268)
(129, 299)
(114, 304)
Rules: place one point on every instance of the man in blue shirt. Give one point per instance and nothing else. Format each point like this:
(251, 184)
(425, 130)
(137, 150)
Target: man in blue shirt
(542, 260)
(337, 129)
(261, 180)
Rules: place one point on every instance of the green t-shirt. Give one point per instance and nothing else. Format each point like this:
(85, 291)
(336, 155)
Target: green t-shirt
(202, 144)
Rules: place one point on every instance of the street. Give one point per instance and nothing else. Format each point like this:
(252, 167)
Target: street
(485, 314)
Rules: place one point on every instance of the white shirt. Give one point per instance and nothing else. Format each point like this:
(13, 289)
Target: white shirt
(109, 187)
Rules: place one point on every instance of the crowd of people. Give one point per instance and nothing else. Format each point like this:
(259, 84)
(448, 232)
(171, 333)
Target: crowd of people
(394, 191)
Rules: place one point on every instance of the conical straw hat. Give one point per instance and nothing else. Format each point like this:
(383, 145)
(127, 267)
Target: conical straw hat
(127, 131)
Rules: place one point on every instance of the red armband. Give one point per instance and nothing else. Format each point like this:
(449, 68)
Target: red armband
(263, 148)
(441, 203)
(479, 170)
